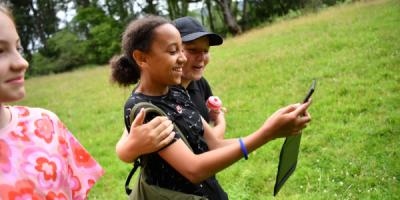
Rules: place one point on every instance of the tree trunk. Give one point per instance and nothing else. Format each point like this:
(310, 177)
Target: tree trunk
(177, 8)
(210, 16)
(38, 25)
(82, 3)
(244, 16)
(229, 19)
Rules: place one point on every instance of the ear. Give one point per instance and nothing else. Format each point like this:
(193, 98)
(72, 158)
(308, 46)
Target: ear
(139, 57)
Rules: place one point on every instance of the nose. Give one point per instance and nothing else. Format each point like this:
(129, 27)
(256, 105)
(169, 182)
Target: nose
(19, 63)
(201, 56)
(182, 58)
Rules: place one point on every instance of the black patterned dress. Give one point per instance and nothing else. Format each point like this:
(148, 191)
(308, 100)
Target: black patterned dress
(179, 109)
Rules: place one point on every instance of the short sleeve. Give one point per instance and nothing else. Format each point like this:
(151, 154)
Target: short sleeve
(83, 170)
(152, 115)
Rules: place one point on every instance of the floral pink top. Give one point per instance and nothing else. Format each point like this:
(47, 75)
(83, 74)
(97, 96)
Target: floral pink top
(41, 159)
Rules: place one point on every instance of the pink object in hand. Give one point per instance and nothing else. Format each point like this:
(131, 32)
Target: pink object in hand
(214, 103)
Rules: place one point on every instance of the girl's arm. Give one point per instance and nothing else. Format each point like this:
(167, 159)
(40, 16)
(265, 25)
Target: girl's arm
(214, 137)
(144, 138)
(219, 124)
(196, 168)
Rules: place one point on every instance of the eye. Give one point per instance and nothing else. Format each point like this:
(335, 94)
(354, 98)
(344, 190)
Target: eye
(173, 51)
(1, 50)
(20, 50)
(192, 51)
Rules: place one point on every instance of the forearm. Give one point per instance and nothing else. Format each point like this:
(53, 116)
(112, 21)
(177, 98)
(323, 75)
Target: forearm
(125, 149)
(198, 167)
(221, 143)
(219, 127)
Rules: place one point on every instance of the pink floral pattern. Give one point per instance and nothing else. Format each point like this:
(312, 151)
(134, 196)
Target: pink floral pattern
(47, 169)
(63, 148)
(21, 190)
(54, 196)
(5, 154)
(41, 159)
(22, 111)
(44, 128)
(21, 132)
(81, 156)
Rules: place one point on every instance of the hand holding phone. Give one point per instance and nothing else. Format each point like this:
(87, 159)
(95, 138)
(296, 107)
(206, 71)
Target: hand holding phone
(290, 152)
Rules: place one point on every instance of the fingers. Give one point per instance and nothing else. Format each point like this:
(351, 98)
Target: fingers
(165, 126)
(288, 109)
(306, 117)
(157, 121)
(224, 109)
(139, 119)
(164, 129)
(167, 140)
(302, 108)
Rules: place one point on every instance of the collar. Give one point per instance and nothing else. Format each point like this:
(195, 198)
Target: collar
(193, 86)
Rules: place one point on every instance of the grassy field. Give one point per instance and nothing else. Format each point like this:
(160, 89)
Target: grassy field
(351, 149)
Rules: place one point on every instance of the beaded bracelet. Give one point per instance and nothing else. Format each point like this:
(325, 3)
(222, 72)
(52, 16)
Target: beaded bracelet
(244, 150)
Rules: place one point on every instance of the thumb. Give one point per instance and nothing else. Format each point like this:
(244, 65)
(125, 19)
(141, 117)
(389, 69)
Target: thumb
(139, 118)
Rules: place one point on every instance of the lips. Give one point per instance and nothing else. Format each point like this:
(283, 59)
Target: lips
(16, 80)
(198, 68)
(177, 69)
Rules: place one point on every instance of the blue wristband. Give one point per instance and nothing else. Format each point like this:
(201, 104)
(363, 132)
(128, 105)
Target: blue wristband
(244, 150)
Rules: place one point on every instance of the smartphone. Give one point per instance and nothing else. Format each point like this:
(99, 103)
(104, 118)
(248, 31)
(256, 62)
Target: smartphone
(310, 91)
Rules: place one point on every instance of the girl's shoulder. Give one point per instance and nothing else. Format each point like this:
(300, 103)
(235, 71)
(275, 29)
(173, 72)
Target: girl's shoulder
(30, 112)
(134, 99)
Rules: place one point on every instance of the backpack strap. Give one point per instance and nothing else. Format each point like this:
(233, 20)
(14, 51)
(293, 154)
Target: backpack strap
(148, 108)
(128, 179)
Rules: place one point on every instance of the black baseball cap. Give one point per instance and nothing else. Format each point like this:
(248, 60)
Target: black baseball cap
(190, 29)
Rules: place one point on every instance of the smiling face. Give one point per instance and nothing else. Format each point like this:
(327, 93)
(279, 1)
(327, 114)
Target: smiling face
(197, 56)
(165, 59)
(12, 64)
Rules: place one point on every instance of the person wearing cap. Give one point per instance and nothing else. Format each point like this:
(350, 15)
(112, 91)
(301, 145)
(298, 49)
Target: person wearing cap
(151, 137)
(196, 43)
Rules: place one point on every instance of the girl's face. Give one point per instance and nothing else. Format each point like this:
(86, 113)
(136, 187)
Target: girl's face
(12, 64)
(165, 58)
(197, 56)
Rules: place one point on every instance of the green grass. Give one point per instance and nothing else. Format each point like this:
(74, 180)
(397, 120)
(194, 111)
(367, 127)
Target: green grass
(351, 148)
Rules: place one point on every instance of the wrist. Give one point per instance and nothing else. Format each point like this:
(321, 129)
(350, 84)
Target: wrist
(267, 133)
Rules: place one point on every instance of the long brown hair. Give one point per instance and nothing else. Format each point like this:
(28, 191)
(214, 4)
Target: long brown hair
(4, 8)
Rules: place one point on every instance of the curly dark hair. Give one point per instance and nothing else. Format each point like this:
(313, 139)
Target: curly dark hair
(138, 35)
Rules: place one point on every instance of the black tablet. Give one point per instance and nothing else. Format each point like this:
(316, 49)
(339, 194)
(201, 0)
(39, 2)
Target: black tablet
(290, 153)
(287, 161)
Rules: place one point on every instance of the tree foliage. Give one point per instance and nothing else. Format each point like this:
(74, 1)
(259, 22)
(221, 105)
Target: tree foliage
(93, 35)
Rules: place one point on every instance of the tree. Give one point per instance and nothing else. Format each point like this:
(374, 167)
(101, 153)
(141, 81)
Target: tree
(150, 7)
(210, 14)
(121, 10)
(177, 8)
(229, 18)
(36, 22)
(99, 32)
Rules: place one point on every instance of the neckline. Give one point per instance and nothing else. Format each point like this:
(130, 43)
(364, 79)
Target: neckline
(154, 97)
(13, 121)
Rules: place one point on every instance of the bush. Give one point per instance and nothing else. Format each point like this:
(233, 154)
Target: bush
(64, 52)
